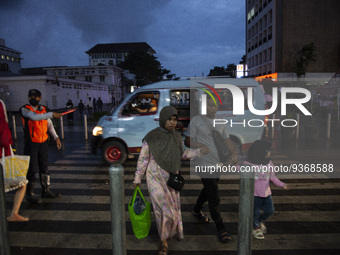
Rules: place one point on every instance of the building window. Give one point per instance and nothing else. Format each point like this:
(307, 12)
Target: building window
(264, 36)
(102, 78)
(269, 33)
(270, 17)
(264, 21)
(66, 86)
(4, 67)
(88, 78)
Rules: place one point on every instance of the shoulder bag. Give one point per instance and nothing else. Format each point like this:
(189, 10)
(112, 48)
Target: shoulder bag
(176, 181)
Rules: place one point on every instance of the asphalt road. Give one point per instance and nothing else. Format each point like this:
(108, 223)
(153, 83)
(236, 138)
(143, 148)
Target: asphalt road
(306, 220)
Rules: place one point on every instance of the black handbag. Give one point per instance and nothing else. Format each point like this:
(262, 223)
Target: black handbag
(221, 147)
(176, 181)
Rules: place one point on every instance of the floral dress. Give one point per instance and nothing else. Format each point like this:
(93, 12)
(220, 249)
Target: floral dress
(165, 200)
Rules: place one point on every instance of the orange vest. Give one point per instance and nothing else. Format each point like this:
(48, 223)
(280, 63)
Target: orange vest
(37, 130)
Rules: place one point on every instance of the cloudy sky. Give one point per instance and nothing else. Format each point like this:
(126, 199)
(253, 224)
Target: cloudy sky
(189, 36)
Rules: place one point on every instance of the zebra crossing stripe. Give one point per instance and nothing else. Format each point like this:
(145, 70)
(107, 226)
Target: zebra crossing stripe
(79, 222)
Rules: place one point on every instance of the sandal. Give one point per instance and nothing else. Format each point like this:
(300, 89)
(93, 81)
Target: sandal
(163, 250)
(257, 233)
(224, 236)
(201, 217)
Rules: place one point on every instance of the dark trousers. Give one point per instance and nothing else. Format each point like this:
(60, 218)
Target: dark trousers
(211, 194)
(38, 160)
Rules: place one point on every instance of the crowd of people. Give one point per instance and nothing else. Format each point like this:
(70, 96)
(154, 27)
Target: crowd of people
(91, 105)
(160, 156)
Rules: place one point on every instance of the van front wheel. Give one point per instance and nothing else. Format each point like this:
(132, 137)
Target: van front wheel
(114, 152)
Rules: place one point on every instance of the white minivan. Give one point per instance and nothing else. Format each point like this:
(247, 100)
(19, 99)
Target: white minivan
(120, 134)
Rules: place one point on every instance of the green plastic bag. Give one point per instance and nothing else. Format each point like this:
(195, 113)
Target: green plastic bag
(140, 223)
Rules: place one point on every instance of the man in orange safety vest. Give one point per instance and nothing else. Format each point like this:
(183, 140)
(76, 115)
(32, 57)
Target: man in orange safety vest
(37, 123)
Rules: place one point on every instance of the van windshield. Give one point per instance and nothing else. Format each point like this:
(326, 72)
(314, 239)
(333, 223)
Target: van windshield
(143, 103)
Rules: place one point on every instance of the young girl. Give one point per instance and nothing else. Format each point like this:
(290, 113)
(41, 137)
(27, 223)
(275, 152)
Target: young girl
(259, 156)
(161, 154)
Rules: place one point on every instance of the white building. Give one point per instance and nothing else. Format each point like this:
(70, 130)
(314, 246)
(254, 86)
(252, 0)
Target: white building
(60, 84)
(110, 76)
(55, 94)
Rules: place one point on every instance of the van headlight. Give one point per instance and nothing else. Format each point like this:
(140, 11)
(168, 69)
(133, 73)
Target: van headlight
(97, 131)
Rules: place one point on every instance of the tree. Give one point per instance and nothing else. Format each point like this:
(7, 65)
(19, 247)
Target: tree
(144, 66)
(222, 71)
(243, 61)
(231, 69)
(305, 56)
(217, 71)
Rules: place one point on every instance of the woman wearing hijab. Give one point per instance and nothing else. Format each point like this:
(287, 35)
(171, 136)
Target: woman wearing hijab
(259, 160)
(161, 155)
(5, 142)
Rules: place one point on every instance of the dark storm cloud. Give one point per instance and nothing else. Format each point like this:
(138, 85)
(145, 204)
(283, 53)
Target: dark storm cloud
(109, 20)
(190, 36)
(10, 4)
(199, 35)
